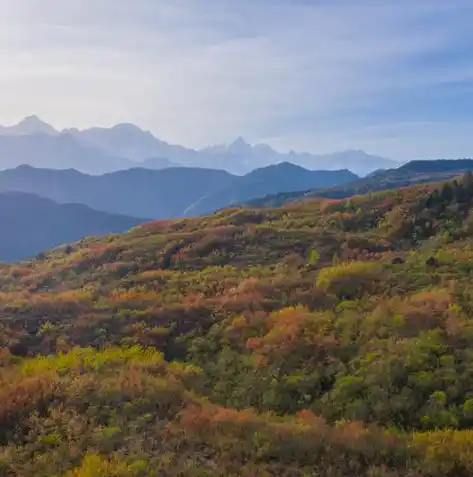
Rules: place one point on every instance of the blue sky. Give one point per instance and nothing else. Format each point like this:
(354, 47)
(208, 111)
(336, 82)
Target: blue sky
(392, 77)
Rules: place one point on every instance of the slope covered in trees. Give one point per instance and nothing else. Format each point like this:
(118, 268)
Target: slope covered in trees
(325, 338)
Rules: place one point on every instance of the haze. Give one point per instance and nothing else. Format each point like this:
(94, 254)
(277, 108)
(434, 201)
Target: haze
(391, 77)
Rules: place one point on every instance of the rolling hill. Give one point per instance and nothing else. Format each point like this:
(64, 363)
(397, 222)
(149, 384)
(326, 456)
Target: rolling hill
(31, 224)
(328, 337)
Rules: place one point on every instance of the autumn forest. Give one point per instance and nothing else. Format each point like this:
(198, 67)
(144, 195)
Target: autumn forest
(328, 337)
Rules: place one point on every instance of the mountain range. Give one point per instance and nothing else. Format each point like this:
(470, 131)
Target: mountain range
(167, 193)
(43, 208)
(99, 150)
(31, 224)
(61, 186)
(411, 173)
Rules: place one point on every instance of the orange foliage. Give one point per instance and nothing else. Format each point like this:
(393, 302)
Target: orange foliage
(132, 295)
(285, 330)
(24, 396)
(436, 301)
(308, 417)
(156, 225)
(20, 272)
(427, 309)
(328, 205)
(201, 418)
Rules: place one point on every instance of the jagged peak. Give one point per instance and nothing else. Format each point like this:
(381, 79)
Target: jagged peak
(32, 125)
(239, 145)
(33, 118)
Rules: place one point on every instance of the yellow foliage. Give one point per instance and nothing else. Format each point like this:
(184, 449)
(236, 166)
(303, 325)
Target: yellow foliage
(348, 270)
(94, 465)
(350, 279)
(446, 451)
(88, 358)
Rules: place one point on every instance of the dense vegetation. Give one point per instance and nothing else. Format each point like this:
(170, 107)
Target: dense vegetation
(326, 338)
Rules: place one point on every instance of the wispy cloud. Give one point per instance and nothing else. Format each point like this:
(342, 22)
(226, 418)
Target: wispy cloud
(315, 75)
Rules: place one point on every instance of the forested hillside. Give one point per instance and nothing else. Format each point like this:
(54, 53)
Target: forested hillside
(326, 338)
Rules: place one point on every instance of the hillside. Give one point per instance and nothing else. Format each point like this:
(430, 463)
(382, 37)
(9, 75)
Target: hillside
(411, 173)
(31, 224)
(328, 337)
(166, 193)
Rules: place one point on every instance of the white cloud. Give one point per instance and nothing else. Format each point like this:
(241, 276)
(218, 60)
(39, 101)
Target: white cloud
(207, 71)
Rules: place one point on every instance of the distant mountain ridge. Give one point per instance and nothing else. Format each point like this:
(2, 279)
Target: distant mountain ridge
(61, 151)
(167, 193)
(283, 177)
(32, 224)
(28, 125)
(126, 140)
(106, 149)
(245, 156)
(411, 173)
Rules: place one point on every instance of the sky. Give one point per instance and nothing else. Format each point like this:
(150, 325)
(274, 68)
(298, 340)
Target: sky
(392, 77)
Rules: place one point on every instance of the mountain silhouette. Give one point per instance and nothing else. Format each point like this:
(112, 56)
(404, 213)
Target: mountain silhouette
(31, 224)
(60, 151)
(284, 177)
(166, 193)
(29, 125)
(420, 171)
